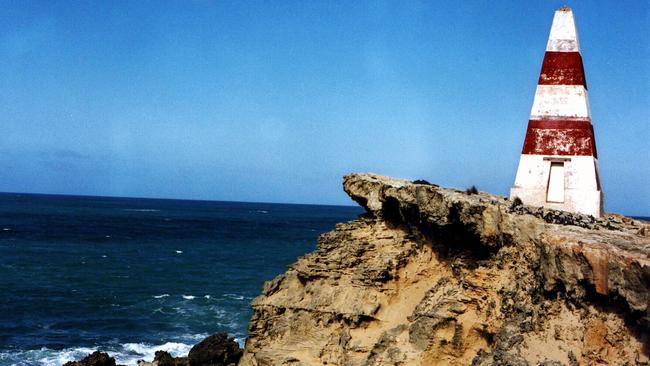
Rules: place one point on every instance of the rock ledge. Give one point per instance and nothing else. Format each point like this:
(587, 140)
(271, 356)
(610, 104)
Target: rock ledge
(438, 276)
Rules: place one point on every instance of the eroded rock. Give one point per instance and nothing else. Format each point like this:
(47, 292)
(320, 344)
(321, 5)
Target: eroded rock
(94, 359)
(437, 276)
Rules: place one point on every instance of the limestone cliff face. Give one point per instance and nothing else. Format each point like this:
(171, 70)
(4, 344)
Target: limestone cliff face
(434, 276)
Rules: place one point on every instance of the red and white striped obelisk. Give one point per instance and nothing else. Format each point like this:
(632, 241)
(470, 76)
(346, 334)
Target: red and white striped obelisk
(558, 167)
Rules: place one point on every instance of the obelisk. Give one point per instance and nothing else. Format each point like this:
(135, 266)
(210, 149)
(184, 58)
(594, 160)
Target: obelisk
(558, 167)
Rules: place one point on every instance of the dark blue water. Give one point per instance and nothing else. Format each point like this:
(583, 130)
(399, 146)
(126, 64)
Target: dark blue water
(132, 276)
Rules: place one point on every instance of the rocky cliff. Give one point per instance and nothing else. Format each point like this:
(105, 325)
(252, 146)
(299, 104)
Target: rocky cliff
(434, 276)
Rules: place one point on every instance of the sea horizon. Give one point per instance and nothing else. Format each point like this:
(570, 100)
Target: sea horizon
(645, 217)
(174, 199)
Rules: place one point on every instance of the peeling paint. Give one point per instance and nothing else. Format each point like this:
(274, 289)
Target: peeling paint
(562, 68)
(560, 130)
(556, 137)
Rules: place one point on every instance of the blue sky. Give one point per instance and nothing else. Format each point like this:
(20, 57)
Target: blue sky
(276, 101)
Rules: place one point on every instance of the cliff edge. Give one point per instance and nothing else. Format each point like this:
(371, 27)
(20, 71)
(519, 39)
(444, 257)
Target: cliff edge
(434, 276)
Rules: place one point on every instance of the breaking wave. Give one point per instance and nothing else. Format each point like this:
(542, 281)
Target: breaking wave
(125, 354)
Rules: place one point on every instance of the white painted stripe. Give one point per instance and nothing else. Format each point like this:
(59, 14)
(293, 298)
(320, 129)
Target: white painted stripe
(581, 187)
(533, 171)
(563, 36)
(560, 101)
(562, 45)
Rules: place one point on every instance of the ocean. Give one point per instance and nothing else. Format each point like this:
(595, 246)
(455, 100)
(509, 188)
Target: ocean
(132, 276)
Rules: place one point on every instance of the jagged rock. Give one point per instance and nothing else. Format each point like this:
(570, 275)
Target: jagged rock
(215, 350)
(163, 358)
(94, 359)
(423, 181)
(437, 276)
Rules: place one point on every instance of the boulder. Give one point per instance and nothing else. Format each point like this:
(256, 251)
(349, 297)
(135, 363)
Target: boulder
(215, 350)
(94, 359)
(163, 358)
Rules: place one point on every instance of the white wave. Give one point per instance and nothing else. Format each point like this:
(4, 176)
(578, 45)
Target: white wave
(141, 209)
(44, 356)
(262, 211)
(207, 296)
(140, 351)
(194, 338)
(240, 341)
(160, 296)
(234, 296)
(5, 229)
(179, 252)
(189, 297)
(125, 354)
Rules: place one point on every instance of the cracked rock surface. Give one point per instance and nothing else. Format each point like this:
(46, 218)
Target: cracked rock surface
(432, 276)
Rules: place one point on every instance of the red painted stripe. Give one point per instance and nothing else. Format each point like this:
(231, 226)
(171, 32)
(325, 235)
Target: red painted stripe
(560, 124)
(557, 137)
(560, 118)
(562, 68)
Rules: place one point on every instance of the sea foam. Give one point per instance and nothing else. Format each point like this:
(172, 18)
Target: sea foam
(125, 354)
